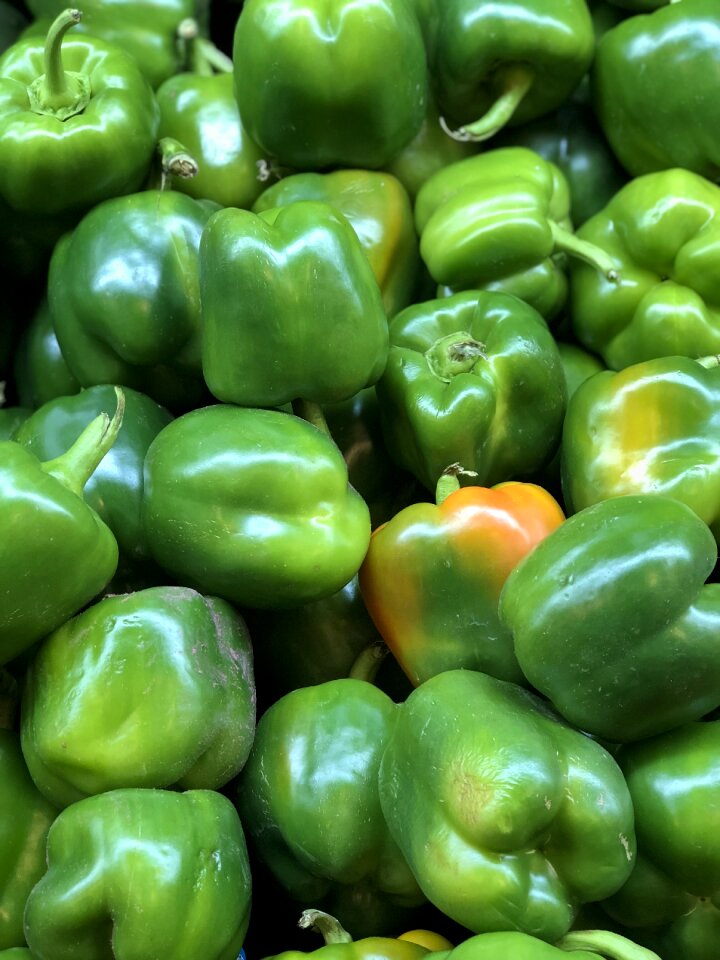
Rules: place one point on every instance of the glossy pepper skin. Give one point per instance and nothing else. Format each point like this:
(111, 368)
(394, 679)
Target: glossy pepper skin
(611, 620)
(254, 506)
(499, 221)
(291, 308)
(162, 687)
(508, 818)
(151, 871)
(473, 379)
(69, 150)
(581, 945)
(339, 945)
(663, 230)
(506, 62)
(25, 818)
(378, 209)
(432, 577)
(56, 554)
(124, 295)
(115, 490)
(672, 900)
(336, 84)
(647, 71)
(308, 796)
(41, 373)
(651, 428)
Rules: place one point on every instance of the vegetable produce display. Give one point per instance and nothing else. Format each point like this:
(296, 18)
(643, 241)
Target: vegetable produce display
(360, 480)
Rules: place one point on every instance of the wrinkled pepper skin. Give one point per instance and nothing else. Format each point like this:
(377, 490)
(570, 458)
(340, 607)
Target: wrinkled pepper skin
(56, 554)
(253, 506)
(139, 323)
(308, 796)
(611, 620)
(653, 427)
(315, 330)
(25, 818)
(432, 577)
(337, 84)
(655, 76)
(50, 165)
(115, 490)
(154, 873)
(379, 211)
(508, 818)
(41, 373)
(473, 379)
(486, 50)
(202, 113)
(663, 230)
(672, 900)
(162, 687)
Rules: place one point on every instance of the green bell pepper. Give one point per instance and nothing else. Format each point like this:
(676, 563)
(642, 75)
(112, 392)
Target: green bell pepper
(611, 620)
(124, 294)
(56, 554)
(474, 379)
(652, 428)
(342, 84)
(498, 221)
(652, 90)
(508, 818)
(140, 873)
(505, 62)
(672, 899)
(379, 211)
(17, 953)
(11, 419)
(309, 798)
(339, 945)
(161, 683)
(582, 944)
(662, 230)
(25, 818)
(78, 122)
(291, 308)
(254, 506)
(41, 373)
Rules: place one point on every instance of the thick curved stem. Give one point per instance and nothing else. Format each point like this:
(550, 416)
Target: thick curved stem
(591, 254)
(55, 80)
(517, 80)
(448, 481)
(328, 926)
(58, 93)
(312, 412)
(368, 662)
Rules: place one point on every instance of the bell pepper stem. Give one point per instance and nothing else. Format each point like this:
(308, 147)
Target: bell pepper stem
(173, 161)
(449, 483)
(368, 662)
(330, 928)
(591, 254)
(312, 412)
(199, 55)
(454, 354)
(57, 92)
(75, 467)
(606, 944)
(517, 80)
(54, 73)
(709, 362)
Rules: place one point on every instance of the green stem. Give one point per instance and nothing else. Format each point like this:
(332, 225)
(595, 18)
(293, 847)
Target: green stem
(709, 362)
(312, 412)
(59, 93)
(75, 467)
(591, 254)
(454, 354)
(174, 161)
(605, 944)
(55, 78)
(517, 80)
(449, 483)
(368, 662)
(328, 926)
(199, 55)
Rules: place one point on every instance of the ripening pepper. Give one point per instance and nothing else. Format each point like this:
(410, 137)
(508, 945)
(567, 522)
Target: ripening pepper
(162, 693)
(124, 295)
(663, 231)
(499, 221)
(432, 576)
(342, 83)
(612, 621)
(653, 427)
(290, 307)
(25, 818)
(672, 900)
(78, 122)
(253, 506)
(56, 554)
(505, 62)
(308, 796)
(473, 379)
(508, 818)
(379, 211)
(656, 75)
(142, 873)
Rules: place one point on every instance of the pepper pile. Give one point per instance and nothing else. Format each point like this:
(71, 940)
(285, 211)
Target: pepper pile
(360, 479)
